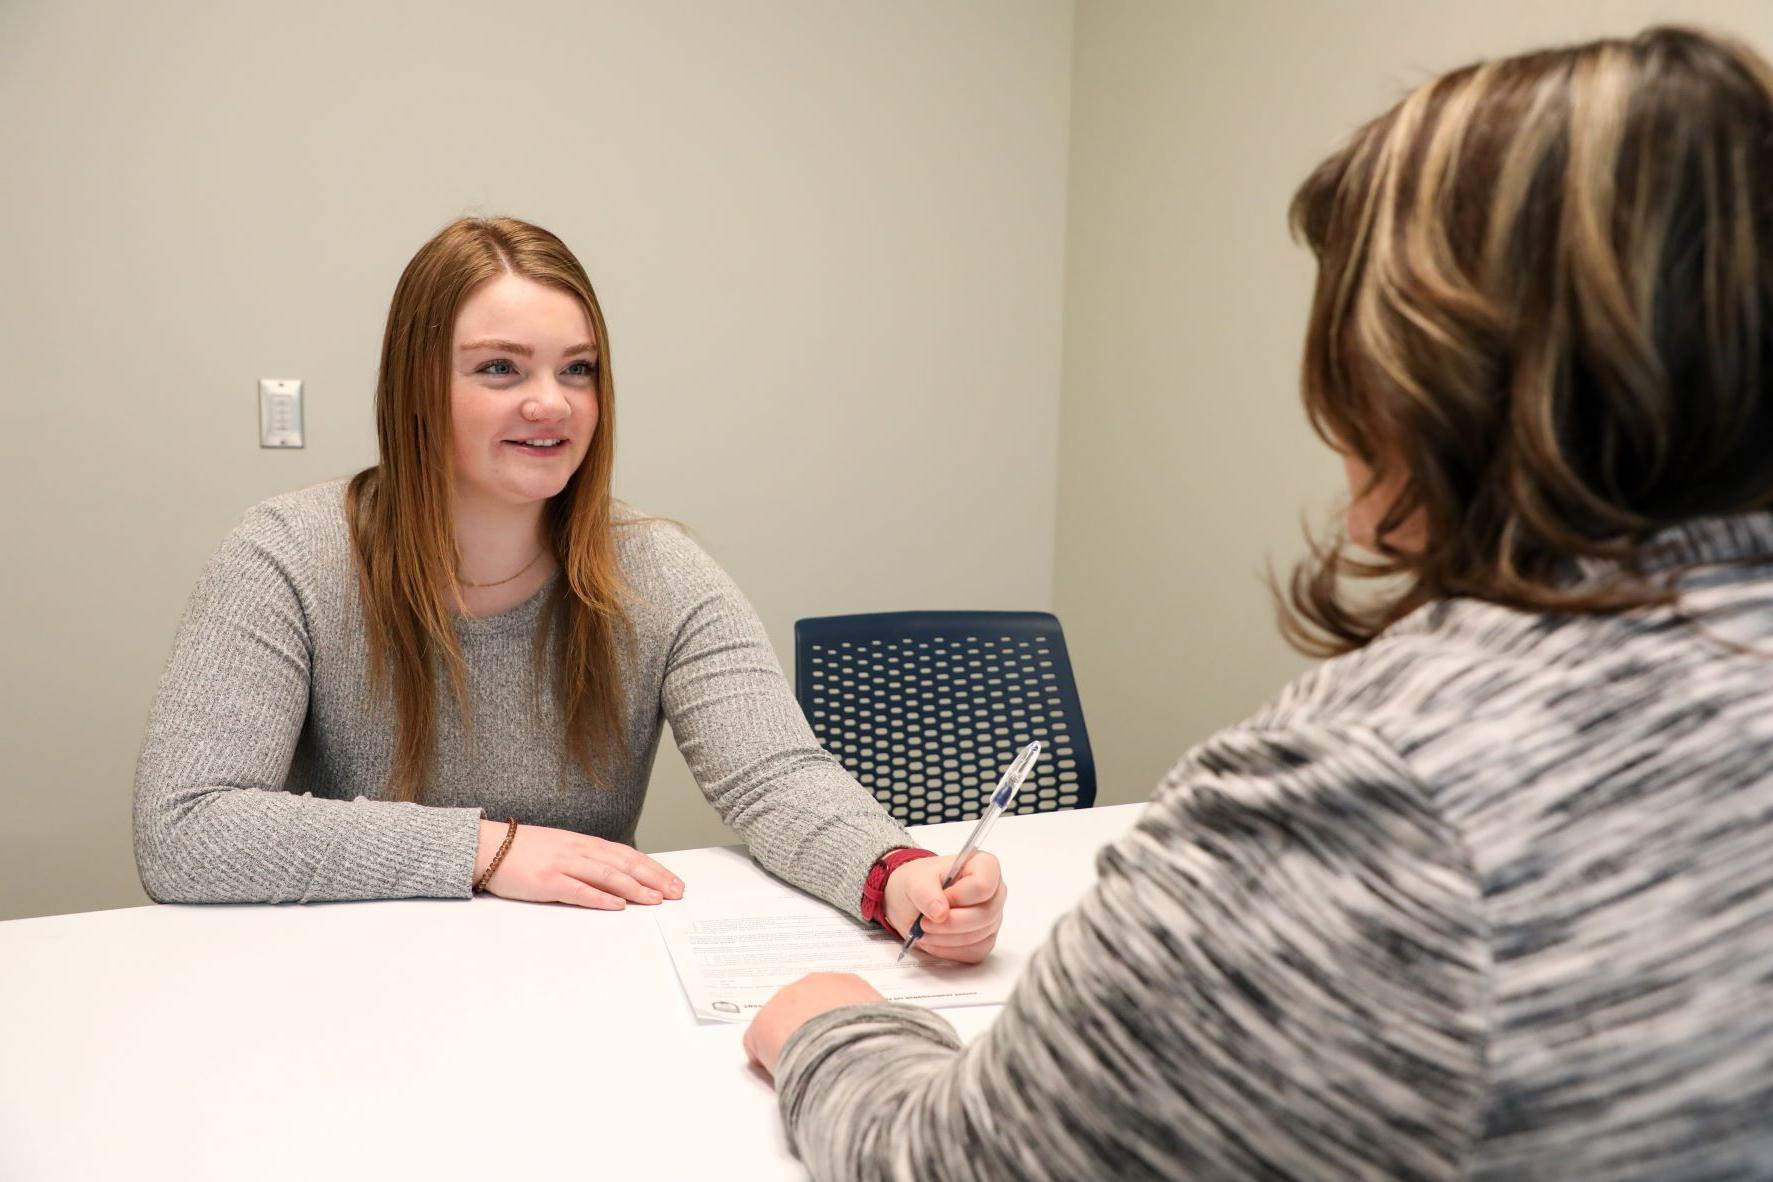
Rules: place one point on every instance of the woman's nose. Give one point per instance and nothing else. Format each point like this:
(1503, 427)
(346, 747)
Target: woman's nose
(548, 403)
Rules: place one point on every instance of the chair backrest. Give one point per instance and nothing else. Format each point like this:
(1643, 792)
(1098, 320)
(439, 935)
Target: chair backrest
(926, 709)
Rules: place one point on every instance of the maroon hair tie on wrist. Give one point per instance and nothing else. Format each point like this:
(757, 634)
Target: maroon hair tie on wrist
(874, 890)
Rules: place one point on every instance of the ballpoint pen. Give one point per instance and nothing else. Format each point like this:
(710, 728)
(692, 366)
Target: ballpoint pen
(1000, 800)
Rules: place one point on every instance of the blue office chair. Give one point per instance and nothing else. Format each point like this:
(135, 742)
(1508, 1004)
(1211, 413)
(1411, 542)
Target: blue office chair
(926, 709)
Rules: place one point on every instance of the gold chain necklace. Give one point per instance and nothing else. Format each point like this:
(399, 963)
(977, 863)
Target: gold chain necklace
(511, 578)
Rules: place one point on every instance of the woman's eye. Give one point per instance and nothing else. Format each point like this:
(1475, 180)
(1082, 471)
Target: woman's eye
(581, 369)
(499, 368)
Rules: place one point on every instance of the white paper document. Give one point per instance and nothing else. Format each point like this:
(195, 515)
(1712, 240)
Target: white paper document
(733, 954)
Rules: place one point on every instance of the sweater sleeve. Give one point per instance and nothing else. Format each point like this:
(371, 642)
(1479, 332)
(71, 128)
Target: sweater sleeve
(212, 821)
(805, 818)
(1280, 973)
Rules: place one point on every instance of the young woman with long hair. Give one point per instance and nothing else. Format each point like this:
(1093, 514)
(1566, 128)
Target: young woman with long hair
(450, 672)
(1490, 895)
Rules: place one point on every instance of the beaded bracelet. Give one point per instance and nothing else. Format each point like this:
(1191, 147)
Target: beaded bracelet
(504, 847)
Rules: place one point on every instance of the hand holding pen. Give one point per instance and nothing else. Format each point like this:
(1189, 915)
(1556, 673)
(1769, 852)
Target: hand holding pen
(976, 903)
(1012, 780)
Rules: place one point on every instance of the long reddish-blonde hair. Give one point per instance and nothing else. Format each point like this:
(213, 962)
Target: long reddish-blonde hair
(402, 524)
(1544, 310)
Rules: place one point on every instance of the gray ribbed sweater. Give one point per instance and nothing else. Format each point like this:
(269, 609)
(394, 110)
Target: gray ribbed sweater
(266, 752)
(1491, 898)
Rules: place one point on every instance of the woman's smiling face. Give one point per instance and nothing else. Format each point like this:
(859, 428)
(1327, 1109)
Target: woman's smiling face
(523, 391)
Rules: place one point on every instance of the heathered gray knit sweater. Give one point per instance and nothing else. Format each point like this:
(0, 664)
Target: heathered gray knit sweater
(267, 751)
(1490, 899)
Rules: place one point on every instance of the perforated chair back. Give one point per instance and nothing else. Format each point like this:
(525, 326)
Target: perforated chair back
(927, 709)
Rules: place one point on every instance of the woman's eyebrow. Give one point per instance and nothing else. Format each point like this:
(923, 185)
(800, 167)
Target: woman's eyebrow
(499, 346)
(521, 350)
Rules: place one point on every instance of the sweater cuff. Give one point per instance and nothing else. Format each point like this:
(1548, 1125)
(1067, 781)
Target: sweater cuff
(874, 890)
(839, 1042)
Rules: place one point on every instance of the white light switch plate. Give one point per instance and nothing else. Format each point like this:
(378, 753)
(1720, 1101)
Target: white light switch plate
(280, 412)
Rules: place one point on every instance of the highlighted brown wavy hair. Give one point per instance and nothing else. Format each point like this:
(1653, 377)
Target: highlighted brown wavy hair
(1542, 306)
(402, 525)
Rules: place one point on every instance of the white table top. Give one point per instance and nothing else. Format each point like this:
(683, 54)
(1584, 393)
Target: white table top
(416, 1039)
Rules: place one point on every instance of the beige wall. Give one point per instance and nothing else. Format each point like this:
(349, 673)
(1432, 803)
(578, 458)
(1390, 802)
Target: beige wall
(1185, 463)
(839, 252)
(828, 238)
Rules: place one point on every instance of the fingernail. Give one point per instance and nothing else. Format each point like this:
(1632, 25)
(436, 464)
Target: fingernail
(654, 897)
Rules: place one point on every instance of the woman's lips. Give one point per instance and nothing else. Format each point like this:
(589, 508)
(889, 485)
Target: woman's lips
(528, 448)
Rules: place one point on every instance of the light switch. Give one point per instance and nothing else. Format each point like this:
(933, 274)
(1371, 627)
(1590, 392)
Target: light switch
(280, 412)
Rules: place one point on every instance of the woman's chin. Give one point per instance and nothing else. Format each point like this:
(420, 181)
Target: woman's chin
(514, 493)
(534, 492)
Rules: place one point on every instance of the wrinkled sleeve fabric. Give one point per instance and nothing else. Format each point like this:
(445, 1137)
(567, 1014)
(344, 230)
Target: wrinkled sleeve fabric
(742, 733)
(212, 821)
(1280, 973)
